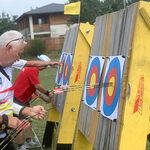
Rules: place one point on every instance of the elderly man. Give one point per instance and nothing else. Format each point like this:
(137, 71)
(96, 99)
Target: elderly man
(11, 47)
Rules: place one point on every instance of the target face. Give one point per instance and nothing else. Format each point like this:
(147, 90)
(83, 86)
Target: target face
(67, 69)
(60, 69)
(110, 94)
(92, 81)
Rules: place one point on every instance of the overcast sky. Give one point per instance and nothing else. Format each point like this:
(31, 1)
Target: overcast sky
(18, 7)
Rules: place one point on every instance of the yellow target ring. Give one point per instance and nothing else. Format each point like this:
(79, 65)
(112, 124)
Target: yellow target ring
(66, 71)
(111, 88)
(60, 70)
(93, 80)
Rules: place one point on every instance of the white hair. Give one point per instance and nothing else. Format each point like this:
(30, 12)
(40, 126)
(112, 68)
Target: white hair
(8, 36)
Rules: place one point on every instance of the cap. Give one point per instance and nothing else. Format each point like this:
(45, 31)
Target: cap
(44, 58)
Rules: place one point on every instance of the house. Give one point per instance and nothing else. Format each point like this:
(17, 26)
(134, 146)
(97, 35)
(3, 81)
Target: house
(45, 22)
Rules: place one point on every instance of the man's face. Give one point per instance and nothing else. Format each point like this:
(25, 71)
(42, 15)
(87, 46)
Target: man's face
(12, 55)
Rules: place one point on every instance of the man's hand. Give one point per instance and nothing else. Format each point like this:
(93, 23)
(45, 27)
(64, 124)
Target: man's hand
(37, 112)
(13, 122)
(54, 64)
(51, 96)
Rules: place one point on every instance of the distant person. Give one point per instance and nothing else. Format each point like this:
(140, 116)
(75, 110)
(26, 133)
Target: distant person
(32, 63)
(27, 83)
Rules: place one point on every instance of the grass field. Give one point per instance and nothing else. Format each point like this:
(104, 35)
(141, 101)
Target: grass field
(47, 79)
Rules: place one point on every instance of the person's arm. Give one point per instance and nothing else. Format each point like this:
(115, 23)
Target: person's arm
(38, 63)
(12, 122)
(54, 64)
(36, 112)
(40, 88)
(1, 119)
(45, 98)
(19, 64)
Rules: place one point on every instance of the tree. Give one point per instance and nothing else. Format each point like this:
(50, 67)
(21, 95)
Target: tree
(7, 23)
(90, 9)
(120, 4)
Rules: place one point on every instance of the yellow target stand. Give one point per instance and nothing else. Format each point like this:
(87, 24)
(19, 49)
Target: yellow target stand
(135, 117)
(50, 131)
(68, 119)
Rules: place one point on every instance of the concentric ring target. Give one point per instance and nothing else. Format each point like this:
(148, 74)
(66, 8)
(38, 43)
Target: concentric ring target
(67, 69)
(60, 69)
(111, 93)
(93, 78)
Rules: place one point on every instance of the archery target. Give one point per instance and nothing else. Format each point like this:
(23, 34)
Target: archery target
(110, 93)
(60, 69)
(92, 81)
(67, 69)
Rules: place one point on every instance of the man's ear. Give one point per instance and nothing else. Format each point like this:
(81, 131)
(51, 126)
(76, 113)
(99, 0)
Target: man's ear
(9, 47)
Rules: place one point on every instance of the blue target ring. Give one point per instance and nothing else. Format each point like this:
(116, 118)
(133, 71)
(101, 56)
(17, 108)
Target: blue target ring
(60, 69)
(95, 67)
(67, 69)
(110, 102)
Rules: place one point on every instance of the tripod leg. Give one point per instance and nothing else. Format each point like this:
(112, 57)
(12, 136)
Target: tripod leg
(36, 139)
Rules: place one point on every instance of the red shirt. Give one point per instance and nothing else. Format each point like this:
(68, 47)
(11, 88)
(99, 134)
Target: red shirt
(24, 84)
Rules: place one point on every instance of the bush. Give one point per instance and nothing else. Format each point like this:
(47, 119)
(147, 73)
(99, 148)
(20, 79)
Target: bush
(36, 47)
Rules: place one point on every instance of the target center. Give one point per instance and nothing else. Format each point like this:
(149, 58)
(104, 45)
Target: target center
(61, 67)
(111, 88)
(93, 80)
(66, 71)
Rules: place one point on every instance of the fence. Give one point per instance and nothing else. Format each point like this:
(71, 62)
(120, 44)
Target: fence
(53, 43)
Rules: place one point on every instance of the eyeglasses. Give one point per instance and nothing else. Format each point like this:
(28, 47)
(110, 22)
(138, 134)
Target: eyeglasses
(22, 38)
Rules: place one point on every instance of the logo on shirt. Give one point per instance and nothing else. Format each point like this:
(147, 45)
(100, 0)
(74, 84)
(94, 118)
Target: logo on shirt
(0, 81)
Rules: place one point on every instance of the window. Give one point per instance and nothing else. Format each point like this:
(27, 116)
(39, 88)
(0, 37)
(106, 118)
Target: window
(40, 20)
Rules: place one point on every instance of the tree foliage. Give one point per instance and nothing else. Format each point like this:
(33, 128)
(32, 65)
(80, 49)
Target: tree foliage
(7, 23)
(90, 9)
(36, 47)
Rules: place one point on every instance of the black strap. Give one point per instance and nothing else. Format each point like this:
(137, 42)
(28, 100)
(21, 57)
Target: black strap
(4, 73)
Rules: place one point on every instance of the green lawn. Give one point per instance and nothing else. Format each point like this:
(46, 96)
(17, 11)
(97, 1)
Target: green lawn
(148, 145)
(47, 79)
